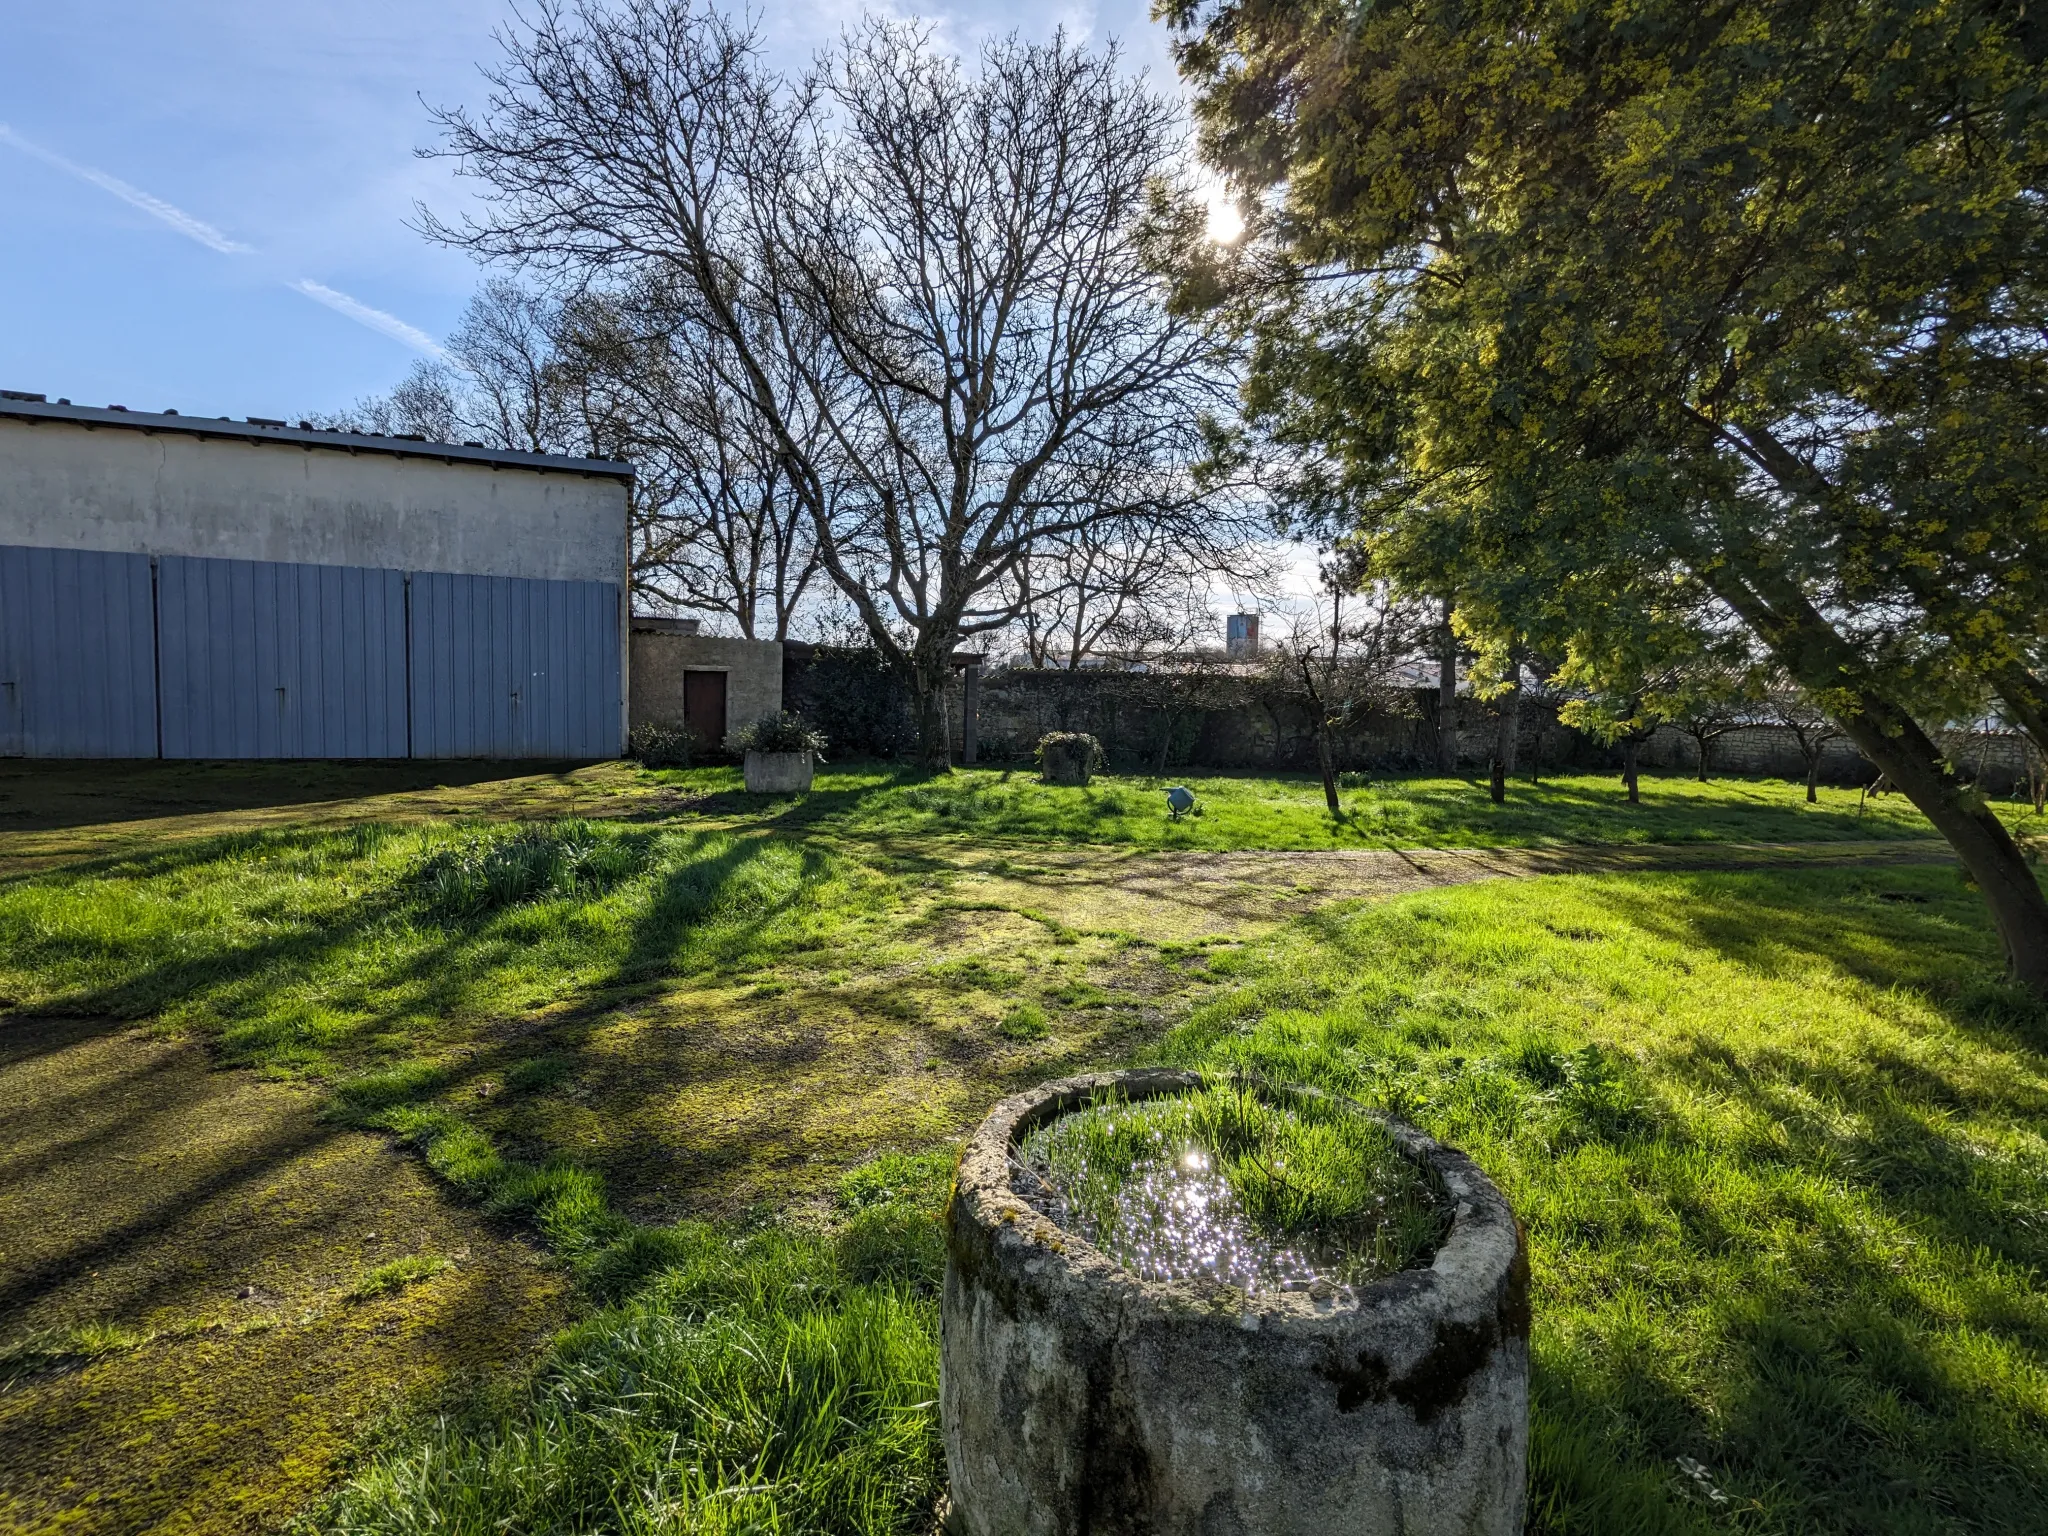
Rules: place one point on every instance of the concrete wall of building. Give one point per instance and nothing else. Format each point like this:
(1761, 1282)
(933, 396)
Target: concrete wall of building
(65, 485)
(753, 681)
(132, 490)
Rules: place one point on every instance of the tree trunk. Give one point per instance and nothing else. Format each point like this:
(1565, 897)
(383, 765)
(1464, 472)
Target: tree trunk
(1820, 661)
(1813, 779)
(2023, 694)
(1329, 773)
(1166, 742)
(1906, 757)
(1507, 734)
(1628, 770)
(1447, 697)
(934, 751)
(1703, 742)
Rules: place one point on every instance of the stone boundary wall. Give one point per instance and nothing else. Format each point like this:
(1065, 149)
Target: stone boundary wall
(865, 711)
(1996, 761)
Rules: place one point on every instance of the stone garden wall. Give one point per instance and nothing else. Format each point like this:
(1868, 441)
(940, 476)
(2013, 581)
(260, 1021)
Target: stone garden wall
(1242, 722)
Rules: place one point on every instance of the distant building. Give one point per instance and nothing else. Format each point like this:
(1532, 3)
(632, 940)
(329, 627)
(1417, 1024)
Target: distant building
(1241, 635)
(172, 586)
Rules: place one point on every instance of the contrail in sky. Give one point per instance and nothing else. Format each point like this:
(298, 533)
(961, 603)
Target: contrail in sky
(375, 319)
(203, 232)
(155, 207)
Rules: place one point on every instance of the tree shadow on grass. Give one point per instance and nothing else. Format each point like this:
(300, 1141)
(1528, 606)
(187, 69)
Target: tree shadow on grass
(1896, 927)
(1881, 1373)
(217, 1220)
(48, 796)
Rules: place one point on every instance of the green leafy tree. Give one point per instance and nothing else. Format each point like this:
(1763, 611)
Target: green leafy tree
(1736, 308)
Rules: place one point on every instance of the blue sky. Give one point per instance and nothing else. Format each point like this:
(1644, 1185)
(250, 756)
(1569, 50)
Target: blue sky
(203, 204)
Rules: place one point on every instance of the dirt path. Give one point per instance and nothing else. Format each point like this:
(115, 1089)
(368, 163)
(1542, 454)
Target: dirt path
(1196, 895)
(206, 1231)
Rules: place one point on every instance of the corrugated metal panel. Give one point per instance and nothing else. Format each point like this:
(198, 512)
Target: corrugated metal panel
(508, 667)
(262, 659)
(77, 654)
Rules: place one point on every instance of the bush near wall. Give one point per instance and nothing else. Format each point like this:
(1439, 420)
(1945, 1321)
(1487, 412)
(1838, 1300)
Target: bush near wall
(851, 696)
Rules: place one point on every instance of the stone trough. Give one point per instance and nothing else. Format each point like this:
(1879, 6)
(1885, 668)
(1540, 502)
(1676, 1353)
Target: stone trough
(1079, 1398)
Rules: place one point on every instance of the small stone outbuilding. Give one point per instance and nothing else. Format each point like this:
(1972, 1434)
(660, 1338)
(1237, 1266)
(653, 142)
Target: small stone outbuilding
(710, 685)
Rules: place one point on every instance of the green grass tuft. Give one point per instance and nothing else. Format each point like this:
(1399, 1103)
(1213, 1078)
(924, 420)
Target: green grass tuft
(1026, 1021)
(777, 1381)
(390, 1278)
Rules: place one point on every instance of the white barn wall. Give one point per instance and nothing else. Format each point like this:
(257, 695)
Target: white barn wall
(70, 486)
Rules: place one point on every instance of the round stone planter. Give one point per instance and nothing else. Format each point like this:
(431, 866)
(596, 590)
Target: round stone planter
(778, 773)
(1079, 1398)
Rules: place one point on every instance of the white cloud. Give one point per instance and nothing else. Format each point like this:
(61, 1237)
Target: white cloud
(376, 319)
(166, 213)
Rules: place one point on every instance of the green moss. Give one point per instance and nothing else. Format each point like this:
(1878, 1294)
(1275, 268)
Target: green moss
(178, 1256)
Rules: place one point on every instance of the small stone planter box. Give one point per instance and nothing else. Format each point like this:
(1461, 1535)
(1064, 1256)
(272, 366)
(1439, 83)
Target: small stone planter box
(778, 773)
(1066, 760)
(1078, 1397)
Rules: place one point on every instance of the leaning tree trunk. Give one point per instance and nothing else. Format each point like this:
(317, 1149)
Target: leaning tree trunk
(1629, 749)
(2024, 696)
(1813, 778)
(1907, 757)
(1820, 660)
(1329, 772)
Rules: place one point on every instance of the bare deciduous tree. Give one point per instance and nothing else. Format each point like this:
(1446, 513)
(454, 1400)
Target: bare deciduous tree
(1340, 668)
(956, 270)
(735, 538)
(1812, 729)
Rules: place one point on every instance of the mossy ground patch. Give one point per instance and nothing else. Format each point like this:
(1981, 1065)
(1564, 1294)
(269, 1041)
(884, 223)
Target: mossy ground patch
(219, 1225)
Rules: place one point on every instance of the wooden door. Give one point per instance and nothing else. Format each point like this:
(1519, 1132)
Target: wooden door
(704, 708)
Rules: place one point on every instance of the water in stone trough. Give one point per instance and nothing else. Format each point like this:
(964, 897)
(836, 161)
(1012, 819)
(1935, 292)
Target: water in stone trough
(1227, 1189)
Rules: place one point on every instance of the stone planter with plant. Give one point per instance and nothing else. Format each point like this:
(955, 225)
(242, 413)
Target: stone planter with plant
(781, 753)
(1068, 757)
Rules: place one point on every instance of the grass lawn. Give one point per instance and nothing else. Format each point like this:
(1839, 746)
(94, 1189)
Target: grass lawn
(1287, 811)
(1775, 1132)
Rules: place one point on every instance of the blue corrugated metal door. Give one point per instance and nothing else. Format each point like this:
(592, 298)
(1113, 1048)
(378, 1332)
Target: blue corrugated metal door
(263, 659)
(503, 666)
(77, 654)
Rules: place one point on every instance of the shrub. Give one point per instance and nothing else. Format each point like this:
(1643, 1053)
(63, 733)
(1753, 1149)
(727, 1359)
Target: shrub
(660, 746)
(782, 733)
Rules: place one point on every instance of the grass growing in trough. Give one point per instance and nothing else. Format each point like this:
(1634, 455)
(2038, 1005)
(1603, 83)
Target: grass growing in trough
(1276, 1191)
